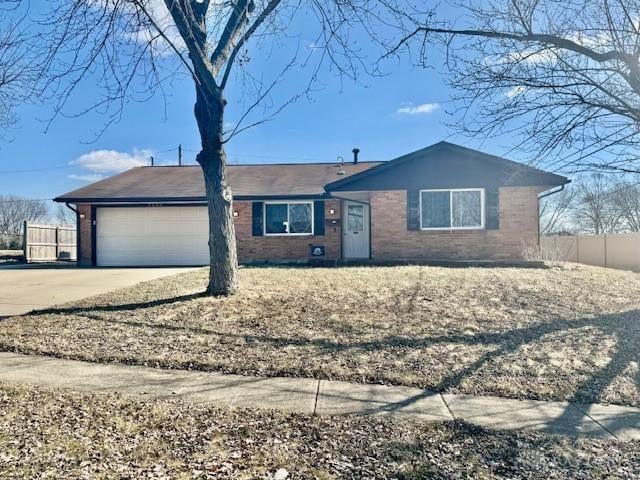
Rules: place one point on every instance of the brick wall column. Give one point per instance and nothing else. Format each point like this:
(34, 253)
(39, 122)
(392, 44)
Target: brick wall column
(84, 239)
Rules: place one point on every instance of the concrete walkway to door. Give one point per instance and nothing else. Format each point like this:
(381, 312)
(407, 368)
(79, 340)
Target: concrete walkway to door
(322, 397)
(27, 287)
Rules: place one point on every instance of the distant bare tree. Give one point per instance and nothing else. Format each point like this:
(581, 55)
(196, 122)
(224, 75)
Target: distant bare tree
(134, 47)
(14, 211)
(561, 74)
(595, 211)
(626, 200)
(63, 215)
(556, 211)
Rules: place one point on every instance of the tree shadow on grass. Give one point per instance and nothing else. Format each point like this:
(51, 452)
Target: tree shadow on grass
(617, 325)
(118, 308)
(572, 420)
(623, 327)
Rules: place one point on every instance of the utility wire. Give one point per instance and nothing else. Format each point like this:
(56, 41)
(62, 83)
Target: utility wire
(44, 169)
(19, 200)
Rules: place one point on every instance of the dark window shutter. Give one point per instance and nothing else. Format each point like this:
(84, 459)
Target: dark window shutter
(318, 217)
(413, 210)
(256, 219)
(492, 208)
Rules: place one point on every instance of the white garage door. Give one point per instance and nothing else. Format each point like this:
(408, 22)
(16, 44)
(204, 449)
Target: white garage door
(151, 236)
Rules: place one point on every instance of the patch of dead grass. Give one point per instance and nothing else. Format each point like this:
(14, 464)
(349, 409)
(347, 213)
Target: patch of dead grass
(561, 333)
(57, 434)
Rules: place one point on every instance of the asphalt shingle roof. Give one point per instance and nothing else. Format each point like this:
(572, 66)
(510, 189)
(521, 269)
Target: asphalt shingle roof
(308, 180)
(186, 183)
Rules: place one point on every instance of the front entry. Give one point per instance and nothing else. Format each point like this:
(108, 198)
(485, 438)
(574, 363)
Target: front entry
(355, 230)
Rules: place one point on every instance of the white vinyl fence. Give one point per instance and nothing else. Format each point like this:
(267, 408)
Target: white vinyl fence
(619, 250)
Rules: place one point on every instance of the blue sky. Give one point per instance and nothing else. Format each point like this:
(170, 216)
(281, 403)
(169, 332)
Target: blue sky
(388, 116)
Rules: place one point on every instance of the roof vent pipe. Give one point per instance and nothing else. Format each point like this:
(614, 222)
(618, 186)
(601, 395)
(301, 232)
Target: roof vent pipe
(355, 151)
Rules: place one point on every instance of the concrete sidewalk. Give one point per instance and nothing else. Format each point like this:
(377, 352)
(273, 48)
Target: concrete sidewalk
(324, 397)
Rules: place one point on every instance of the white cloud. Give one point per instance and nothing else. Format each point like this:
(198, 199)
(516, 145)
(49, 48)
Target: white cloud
(162, 18)
(112, 161)
(600, 41)
(157, 10)
(163, 46)
(90, 177)
(531, 57)
(515, 91)
(423, 108)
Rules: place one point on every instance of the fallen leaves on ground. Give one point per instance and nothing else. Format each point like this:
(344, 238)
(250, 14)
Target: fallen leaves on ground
(47, 433)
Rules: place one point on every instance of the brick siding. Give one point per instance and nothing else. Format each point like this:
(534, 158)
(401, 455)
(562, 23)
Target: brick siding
(392, 241)
(85, 246)
(390, 238)
(282, 248)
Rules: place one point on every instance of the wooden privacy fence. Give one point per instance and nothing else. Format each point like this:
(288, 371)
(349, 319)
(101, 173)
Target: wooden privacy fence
(49, 243)
(618, 250)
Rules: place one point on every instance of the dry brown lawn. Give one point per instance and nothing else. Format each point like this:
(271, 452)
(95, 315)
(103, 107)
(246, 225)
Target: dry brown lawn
(55, 434)
(569, 332)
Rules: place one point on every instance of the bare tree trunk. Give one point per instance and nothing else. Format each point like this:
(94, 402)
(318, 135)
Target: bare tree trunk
(223, 263)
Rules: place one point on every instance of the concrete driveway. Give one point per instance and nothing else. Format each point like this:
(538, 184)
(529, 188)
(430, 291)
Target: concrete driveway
(26, 288)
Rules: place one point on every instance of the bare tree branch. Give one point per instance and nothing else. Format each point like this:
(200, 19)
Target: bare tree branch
(268, 10)
(129, 48)
(18, 68)
(560, 75)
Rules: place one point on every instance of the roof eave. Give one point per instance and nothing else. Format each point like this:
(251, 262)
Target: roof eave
(167, 200)
(554, 179)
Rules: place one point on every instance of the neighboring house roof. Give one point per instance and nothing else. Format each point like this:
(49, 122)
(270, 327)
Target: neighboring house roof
(445, 165)
(186, 183)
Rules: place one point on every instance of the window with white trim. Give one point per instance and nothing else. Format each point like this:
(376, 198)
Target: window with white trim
(288, 218)
(452, 209)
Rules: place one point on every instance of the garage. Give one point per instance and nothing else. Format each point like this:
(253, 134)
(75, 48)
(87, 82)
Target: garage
(152, 236)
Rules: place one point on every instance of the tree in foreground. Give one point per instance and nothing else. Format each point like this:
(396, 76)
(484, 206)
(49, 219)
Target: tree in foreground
(18, 68)
(563, 75)
(133, 48)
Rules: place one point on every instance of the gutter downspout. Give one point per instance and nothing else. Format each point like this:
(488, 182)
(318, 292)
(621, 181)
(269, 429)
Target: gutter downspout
(547, 194)
(77, 230)
(71, 208)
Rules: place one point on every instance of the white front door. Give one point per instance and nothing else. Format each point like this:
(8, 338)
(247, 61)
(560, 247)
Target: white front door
(355, 230)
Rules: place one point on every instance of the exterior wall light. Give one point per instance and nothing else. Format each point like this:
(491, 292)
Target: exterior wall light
(332, 211)
(235, 213)
(82, 215)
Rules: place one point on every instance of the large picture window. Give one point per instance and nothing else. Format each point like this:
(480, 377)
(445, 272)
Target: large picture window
(452, 209)
(291, 218)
